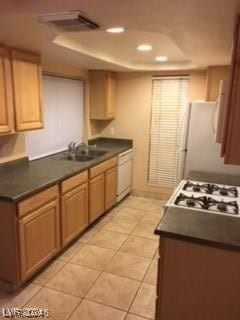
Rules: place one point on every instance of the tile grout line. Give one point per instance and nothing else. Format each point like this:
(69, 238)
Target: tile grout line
(128, 311)
(42, 286)
(103, 271)
(84, 298)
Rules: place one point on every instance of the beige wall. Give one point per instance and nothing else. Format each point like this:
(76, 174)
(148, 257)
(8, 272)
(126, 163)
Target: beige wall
(13, 146)
(214, 76)
(133, 118)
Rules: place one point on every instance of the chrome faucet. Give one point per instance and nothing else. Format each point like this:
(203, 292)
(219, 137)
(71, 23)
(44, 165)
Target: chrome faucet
(82, 147)
(82, 144)
(72, 147)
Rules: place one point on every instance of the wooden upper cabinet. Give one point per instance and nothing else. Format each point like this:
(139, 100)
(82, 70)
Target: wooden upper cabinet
(111, 89)
(6, 93)
(102, 99)
(26, 71)
(231, 135)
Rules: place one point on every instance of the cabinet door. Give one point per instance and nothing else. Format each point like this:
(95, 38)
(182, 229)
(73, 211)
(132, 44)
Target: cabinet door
(96, 197)
(6, 93)
(38, 237)
(231, 134)
(102, 94)
(74, 212)
(111, 88)
(27, 90)
(110, 187)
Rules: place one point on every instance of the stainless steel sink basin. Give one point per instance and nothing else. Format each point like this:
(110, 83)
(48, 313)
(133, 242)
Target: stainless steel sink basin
(83, 155)
(79, 157)
(94, 153)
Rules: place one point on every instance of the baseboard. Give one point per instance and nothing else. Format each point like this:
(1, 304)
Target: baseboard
(149, 194)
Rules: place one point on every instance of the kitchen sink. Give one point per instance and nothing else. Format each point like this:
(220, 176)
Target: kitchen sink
(82, 155)
(79, 157)
(94, 153)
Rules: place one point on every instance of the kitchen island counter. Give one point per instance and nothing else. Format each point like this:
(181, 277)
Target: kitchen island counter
(215, 178)
(200, 227)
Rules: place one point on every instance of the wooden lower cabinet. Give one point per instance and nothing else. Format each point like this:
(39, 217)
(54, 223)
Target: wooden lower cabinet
(102, 188)
(197, 282)
(38, 237)
(97, 192)
(33, 230)
(74, 213)
(110, 187)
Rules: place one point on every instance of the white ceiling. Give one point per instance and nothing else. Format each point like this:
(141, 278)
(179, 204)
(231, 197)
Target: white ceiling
(192, 33)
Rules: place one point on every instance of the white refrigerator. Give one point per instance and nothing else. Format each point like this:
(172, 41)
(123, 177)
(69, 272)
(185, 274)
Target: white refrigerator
(202, 151)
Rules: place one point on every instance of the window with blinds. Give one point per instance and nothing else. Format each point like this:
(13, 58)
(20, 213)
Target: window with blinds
(168, 130)
(63, 101)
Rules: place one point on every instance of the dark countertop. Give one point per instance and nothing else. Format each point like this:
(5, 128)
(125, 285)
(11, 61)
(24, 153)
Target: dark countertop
(214, 178)
(199, 226)
(23, 178)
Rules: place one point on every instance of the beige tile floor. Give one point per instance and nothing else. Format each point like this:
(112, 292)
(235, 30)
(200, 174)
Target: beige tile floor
(110, 272)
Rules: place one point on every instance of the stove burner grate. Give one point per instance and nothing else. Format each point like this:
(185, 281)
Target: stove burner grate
(191, 201)
(225, 191)
(207, 203)
(230, 207)
(197, 187)
(209, 188)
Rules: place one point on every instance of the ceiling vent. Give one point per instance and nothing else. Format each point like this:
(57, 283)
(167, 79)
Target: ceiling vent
(69, 21)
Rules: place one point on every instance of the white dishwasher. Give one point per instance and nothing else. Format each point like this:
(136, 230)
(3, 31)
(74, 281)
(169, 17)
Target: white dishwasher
(124, 185)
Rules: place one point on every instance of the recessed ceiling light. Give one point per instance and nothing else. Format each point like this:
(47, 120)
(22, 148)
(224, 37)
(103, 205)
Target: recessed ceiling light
(115, 30)
(144, 47)
(161, 58)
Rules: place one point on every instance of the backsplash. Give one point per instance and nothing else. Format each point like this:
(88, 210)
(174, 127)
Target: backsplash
(12, 147)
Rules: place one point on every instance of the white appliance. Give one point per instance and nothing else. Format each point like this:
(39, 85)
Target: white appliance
(207, 197)
(222, 109)
(202, 151)
(124, 185)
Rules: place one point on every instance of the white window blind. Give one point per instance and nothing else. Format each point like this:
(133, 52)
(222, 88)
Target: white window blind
(167, 136)
(63, 117)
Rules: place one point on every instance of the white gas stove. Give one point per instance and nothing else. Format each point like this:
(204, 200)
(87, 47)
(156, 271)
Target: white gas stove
(209, 197)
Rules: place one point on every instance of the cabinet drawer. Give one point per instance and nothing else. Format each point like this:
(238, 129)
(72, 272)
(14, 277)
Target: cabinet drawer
(103, 167)
(37, 201)
(74, 182)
